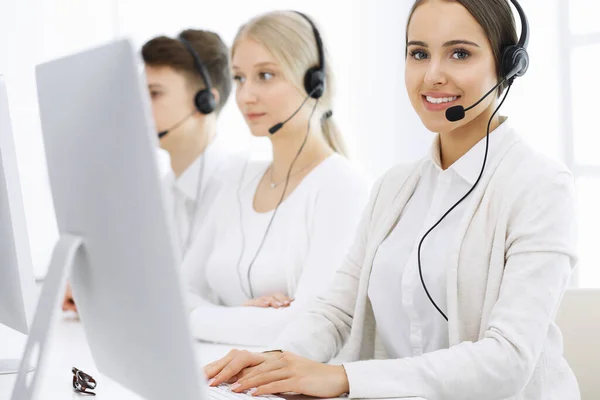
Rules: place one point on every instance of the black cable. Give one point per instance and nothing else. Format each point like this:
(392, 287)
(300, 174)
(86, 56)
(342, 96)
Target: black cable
(287, 180)
(487, 142)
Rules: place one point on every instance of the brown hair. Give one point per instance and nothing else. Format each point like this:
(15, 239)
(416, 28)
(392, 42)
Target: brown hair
(497, 21)
(290, 39)
(165, 51)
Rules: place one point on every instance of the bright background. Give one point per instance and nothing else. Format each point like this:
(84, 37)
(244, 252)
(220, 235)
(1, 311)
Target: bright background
(553, 105)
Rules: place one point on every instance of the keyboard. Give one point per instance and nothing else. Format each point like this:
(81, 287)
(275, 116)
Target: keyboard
(222, 392)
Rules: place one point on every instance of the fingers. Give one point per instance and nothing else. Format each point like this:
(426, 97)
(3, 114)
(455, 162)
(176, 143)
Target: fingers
(268, 366)
(275, 301)
(214, 368)
(282, 300)
(259, 302)
(282, 386)
(261, 379)
(245, 372)
(239, 361)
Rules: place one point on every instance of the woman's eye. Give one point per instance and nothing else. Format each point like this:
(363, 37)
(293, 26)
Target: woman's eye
(239, 79)
(418, 54)
(460, 54)
(265, 76)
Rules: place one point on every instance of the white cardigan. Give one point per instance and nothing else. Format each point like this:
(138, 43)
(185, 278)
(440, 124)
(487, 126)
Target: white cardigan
(509, 265)
(308, 240)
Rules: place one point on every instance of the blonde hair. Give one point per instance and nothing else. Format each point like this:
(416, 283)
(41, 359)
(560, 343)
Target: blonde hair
(290, 39)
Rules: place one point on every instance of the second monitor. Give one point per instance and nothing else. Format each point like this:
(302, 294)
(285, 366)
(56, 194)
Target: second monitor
(17, 286)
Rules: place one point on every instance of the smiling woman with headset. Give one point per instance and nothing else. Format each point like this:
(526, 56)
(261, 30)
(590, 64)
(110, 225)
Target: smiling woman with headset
(276, 237)
(461, 259)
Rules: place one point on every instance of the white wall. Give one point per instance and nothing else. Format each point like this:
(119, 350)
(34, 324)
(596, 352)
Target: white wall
(33, 31)
(17, 57)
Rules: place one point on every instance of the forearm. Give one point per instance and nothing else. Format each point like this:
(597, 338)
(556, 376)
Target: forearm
(247, 326)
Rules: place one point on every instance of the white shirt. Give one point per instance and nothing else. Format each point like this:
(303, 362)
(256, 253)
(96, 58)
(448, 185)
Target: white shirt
(193, 192)
(509, 262)
(308, 240)
(407, 321)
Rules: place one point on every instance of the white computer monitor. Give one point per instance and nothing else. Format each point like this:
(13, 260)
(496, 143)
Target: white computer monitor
(115, 234)
(17, 286)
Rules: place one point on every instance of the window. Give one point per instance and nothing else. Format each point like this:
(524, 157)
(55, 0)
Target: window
(580, 59)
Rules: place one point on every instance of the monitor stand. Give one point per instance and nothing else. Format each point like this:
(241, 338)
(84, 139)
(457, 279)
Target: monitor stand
(45, 316)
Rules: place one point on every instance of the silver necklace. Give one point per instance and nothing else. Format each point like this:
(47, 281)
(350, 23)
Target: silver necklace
(273, 185)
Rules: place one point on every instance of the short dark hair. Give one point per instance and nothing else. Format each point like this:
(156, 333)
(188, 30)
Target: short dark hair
(165, 51)
(497, 21)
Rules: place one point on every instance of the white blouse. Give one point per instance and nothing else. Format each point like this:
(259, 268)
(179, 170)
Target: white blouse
(307, 242)
(408, 323)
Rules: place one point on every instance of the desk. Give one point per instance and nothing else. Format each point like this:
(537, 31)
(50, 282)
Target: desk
(68, 348)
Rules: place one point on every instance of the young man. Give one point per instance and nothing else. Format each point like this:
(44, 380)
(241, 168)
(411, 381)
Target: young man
(187, 127)
(173, 70)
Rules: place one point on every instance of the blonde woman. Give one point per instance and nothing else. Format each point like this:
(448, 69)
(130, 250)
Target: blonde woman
(277, 236)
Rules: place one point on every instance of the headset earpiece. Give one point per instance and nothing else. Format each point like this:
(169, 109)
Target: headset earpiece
(515, 61)
(314, 79)
(204, 100)
(314, 82)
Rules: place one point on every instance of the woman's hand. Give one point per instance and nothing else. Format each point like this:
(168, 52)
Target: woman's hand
(288, 372)
(277, 300)
(235, 365)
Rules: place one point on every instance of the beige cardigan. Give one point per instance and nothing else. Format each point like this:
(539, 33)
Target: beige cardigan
(507, 269)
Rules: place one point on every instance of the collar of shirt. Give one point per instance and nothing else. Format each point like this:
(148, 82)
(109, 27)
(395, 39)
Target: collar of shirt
(469, 165)
(207, 163)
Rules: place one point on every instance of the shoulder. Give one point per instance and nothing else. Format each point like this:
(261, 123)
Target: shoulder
(338, 174)
(525, 169)
(236, 169)
(387, 187)
(229, 163)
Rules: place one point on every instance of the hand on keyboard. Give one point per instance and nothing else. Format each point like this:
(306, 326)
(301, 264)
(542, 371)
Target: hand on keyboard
(268, 373)
(233, 366)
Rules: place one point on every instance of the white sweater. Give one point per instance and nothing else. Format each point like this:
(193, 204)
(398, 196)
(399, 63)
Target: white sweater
(407, 322)
(508, 266)
(310, 236)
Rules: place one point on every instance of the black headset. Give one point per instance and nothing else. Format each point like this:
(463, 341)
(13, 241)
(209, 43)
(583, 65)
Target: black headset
(515, 59)
(204, 100)
(314, 79)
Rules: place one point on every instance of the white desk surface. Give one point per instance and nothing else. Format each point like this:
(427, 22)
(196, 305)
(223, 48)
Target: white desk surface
(68, 348)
